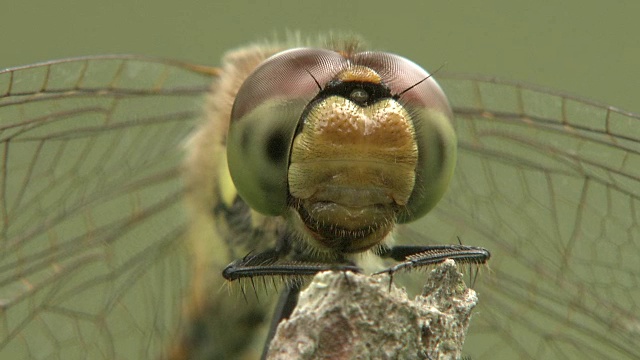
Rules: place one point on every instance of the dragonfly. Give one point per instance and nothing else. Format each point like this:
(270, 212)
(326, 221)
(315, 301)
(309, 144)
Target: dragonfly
(101, 258)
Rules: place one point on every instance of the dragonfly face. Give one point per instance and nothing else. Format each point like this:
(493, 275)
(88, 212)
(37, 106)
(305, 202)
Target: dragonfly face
(349, 142)
(98, 260)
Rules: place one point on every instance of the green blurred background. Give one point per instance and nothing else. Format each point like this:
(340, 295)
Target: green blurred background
(587, 48)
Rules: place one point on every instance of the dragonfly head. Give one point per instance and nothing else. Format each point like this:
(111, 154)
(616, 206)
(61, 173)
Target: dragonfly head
(350, 143)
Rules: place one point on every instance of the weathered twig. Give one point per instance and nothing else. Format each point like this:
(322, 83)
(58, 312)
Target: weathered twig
(351, 316)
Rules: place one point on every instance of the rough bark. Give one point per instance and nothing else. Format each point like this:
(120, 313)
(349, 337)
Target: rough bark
(351, 316)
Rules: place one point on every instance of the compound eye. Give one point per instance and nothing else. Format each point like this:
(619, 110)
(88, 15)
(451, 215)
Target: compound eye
(264, 118)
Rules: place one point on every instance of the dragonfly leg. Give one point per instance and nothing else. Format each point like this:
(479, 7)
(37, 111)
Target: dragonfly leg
(417, 256)
(268, 263)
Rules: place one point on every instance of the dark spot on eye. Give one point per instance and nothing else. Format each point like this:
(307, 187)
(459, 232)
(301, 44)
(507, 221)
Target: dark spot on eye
(244, 139)
(276, 147)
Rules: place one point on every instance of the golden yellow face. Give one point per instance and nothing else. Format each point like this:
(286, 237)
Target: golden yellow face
(352, 166)
(344, 144)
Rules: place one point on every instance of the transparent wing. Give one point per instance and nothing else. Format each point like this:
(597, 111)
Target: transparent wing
(91, 262)
(92, 266)
(550, 185)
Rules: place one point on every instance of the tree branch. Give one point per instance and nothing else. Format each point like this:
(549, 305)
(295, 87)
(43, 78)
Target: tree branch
(352, 316)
